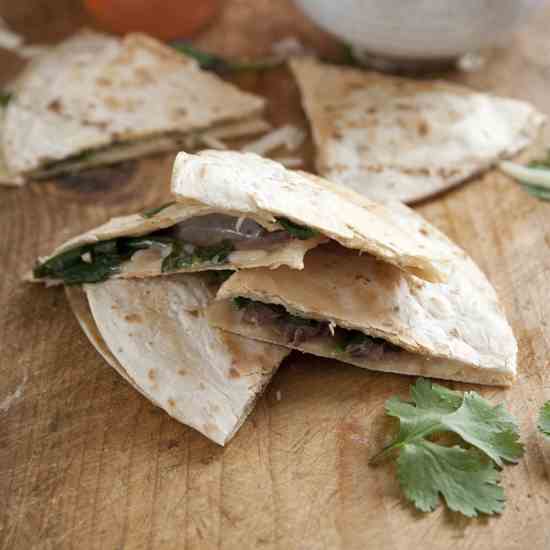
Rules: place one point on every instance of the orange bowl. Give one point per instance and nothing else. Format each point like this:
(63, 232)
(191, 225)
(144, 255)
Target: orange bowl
(164, 19)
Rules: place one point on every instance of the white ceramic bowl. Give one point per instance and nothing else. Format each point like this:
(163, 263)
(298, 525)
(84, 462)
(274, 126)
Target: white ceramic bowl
(420, 29)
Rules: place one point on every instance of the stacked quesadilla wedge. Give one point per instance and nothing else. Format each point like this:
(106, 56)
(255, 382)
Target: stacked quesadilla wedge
(393, 138)
(365, 312)
(96, 100)
(357, 299)
(153, 332)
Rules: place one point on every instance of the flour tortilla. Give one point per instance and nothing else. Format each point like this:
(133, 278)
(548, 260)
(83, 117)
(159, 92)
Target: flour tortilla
(254, 186)
(403, 139)
(154, 334)
(454, 331)
(94, 92)
(148, 263)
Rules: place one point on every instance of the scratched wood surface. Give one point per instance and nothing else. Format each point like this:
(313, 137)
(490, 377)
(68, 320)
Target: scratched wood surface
(86, 462)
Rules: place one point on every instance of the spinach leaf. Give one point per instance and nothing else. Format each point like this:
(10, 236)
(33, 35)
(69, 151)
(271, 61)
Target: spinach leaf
(297, 231)
(104, 260)
(180, 258)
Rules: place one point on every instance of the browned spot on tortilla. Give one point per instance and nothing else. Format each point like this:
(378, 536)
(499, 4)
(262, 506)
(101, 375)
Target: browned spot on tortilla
(112, 102)
(336, 134)
(424, 231)
(234, 373)
(152, 375)
(182, 372)
(448, 172)
(171, 403)
(180, 111)
(143, 76)
(55, 106)
(133, 318)
(102, 81)
(374, 168)
(423, 128)
(202, 386)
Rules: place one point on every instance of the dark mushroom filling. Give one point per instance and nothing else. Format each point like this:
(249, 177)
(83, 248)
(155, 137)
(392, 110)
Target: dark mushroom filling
(296, 330)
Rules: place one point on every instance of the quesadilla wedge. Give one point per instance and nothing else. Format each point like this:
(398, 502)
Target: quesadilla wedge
(154, 334)
(248, 185)
(96, 99)
(393, 138)
(365, 312)
(174, 238)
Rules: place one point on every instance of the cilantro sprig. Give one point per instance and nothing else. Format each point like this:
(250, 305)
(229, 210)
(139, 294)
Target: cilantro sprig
(465, 474)
(543, 423)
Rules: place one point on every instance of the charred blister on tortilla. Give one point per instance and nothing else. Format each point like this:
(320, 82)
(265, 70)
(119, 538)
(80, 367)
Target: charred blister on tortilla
(296, 330)
(200, 241)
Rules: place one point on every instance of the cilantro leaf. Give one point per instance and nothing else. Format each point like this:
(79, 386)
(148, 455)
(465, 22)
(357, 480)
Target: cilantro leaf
(544, 419)
(436, 409)
(465, 475)
(467, 482)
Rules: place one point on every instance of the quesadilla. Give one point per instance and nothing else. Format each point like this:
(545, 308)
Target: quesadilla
(393, 138)
(174, 238)
(97, 99)
(154, 334)
(250, 186)
(366, 312)
(239, 211)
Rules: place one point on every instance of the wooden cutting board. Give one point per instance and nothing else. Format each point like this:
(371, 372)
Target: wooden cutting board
(87, 462)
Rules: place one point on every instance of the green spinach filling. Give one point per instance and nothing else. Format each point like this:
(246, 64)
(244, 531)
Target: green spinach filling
(93, 263)
(300, 232)
(96, 262)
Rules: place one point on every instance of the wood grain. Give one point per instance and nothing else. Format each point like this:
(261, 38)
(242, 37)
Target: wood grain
(86, 462)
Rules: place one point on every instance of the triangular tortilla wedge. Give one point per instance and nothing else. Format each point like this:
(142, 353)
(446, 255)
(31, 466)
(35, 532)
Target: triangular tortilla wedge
(146, 242)
(156, 337)
(393, 138)
(96, 99)
(455, 330)
(249, 185)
